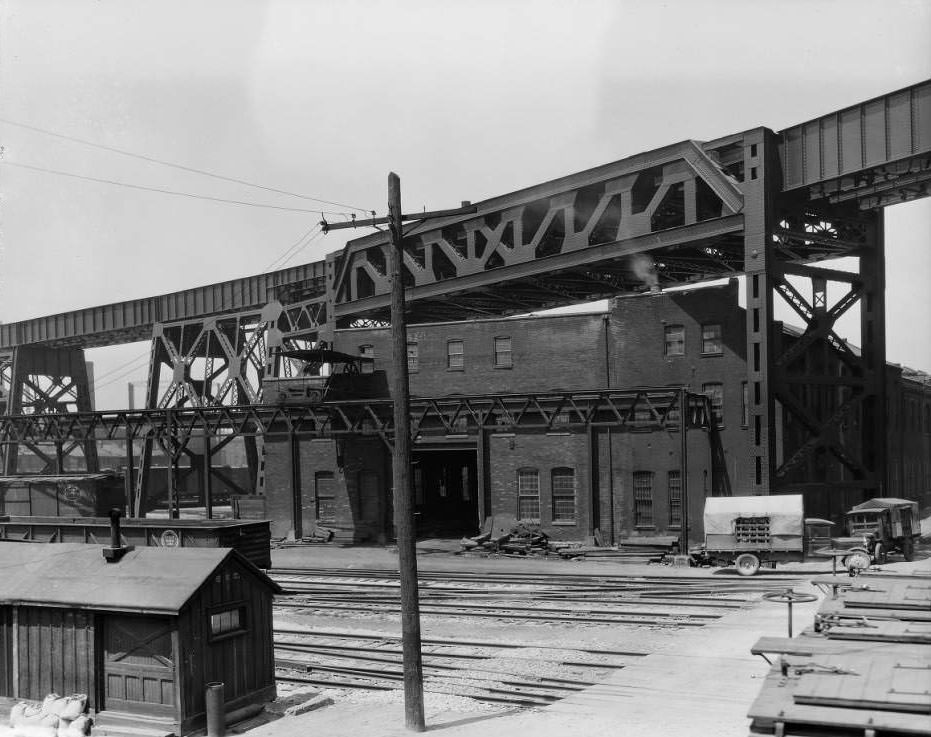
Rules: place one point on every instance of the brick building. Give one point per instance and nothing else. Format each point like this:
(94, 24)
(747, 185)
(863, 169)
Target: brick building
(623, 483)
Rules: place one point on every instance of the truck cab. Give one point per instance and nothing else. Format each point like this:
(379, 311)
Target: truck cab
(881, 526)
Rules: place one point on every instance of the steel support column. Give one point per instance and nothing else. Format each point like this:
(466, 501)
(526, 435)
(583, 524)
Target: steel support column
(761, 182)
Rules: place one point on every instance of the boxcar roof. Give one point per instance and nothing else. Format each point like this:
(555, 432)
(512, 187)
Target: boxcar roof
(155, 580)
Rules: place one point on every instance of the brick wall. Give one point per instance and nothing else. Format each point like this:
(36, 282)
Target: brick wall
(360, 485)
(507, 454)
(637, 349)
(558, 352)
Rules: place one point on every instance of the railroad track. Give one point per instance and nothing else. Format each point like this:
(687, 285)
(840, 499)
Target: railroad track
(659, 601)
(499, 673)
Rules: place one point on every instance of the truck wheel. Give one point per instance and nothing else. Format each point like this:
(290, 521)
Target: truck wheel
(747, 564)
(857, 562)
(908, 549)
(879, 554)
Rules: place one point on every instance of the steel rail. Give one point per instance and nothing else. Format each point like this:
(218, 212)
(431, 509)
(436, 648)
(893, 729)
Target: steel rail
(335, 649)
(497, 614)
(564, 683)
(359, 594)
(455, 643)
(534, 610)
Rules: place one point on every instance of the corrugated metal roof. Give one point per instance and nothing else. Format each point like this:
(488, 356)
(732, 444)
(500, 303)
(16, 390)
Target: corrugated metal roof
(76, 575)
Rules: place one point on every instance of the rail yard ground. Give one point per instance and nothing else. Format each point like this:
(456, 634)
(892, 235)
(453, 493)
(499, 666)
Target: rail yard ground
(537, 646)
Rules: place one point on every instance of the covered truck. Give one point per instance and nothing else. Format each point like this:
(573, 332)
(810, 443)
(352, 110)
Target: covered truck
(878, 527)
(750, 531)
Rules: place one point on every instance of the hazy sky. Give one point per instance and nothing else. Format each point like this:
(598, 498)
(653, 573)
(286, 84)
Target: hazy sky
(464, 99)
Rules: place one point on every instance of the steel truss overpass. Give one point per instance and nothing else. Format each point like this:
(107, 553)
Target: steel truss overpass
(774, 206)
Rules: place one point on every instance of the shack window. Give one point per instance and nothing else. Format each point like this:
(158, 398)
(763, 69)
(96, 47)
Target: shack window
(367, 351)
(674, 486)
(455, 355)
(227, 622)
(563, 494)
(675, 340)
(643, 498)
(528, 494)
(325, 489)
(413, 363)
(711, 341)
(715, 391)
(503, 357)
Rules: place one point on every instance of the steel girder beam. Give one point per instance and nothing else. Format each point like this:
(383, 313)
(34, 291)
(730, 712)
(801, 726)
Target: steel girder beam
(220, 362)
(816, 404)
(633, 409)
(670, 197)
(42, 380)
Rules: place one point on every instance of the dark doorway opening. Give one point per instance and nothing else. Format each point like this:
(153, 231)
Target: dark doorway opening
(445, 492)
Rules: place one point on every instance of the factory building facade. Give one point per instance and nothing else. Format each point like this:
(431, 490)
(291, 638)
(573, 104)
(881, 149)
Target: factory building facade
(619, 483)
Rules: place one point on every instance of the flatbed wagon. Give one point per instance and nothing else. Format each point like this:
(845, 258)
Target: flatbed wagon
(251, 538)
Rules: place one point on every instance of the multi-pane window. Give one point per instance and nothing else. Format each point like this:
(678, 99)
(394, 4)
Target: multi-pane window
(367, 351)
(455, 355)
(675, 340)
(715, 390)
(711, 341)
(413, 356)
(528, 494)
(745, 406)
(325, 495)
(643, 498)
(228, 621)
(674, 486)
(503, 357)
(563, 494)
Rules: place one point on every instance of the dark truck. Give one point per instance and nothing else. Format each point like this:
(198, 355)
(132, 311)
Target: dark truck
(878, 527)
(326, 376)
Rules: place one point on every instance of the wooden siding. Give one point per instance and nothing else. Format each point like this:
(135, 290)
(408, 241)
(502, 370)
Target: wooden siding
(55, 652)
(244, 662)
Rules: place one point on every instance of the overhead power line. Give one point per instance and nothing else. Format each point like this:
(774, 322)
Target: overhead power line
(165, 191)
(181, 167)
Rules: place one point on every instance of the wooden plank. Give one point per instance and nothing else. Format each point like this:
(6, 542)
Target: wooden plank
(813, 646)
(875, 681)
(776, 704)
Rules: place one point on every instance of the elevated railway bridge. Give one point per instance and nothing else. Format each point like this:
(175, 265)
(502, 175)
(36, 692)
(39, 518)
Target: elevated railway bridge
(777, 207)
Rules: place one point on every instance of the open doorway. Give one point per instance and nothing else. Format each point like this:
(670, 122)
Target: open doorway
(445, 492)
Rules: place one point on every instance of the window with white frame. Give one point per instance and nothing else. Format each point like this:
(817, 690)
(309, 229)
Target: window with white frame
(528, 493)
(455, 355)
(711, 339)
(563, 484)
(674, 340)
(503, 356)
(413, 356)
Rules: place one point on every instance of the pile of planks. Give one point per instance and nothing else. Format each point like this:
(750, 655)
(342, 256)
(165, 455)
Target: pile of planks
(507, 535)
(864, 668)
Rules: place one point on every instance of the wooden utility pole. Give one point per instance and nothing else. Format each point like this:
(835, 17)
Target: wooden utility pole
(401, 460)
(401, 474)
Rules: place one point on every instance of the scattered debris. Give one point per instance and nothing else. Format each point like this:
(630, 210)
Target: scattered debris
(510, 536)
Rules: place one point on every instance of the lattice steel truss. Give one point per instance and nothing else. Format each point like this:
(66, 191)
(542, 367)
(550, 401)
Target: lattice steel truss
(42, 381)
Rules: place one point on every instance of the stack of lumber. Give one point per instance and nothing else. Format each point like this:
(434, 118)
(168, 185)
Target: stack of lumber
(864, 668)
(508, 535)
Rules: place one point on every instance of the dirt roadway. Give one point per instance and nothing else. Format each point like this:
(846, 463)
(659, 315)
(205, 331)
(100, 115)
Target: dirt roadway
(695, 683)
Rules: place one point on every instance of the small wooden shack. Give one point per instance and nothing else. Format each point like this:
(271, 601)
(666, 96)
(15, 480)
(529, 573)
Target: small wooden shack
(141, 633)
